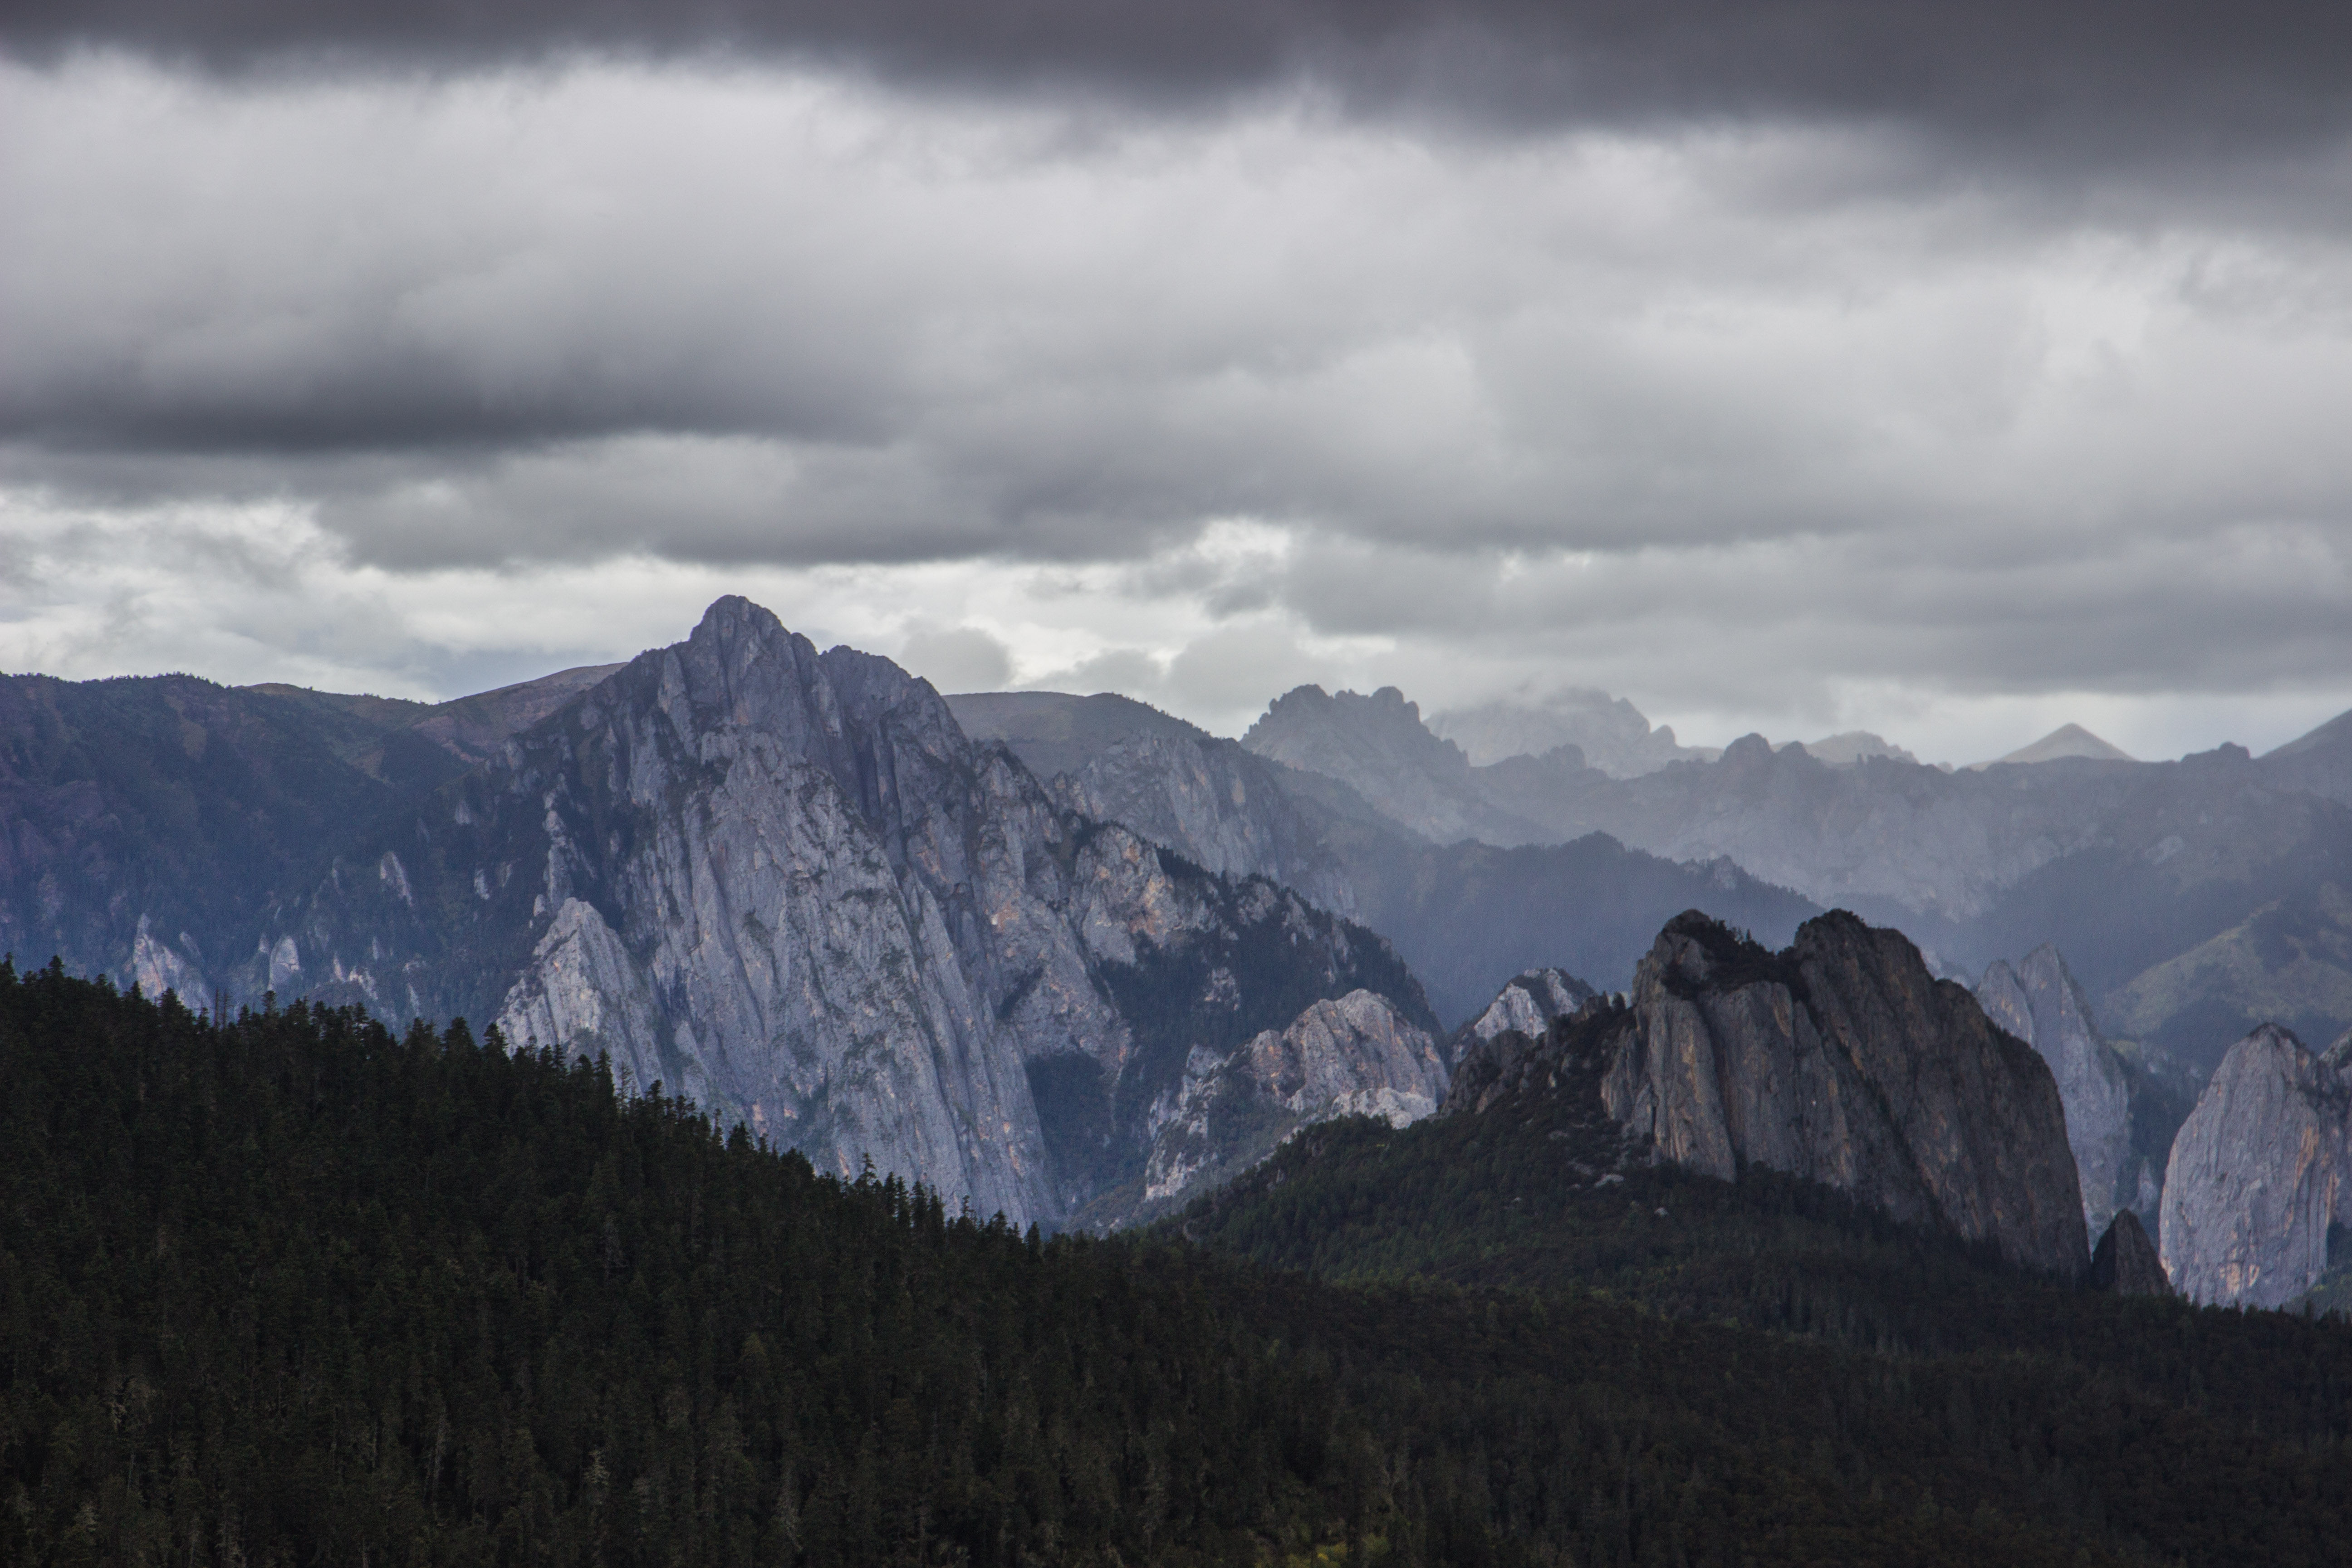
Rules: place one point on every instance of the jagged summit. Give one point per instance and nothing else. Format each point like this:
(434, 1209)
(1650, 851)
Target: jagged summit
(1307, 723)
(789, 886)
(1379, 748)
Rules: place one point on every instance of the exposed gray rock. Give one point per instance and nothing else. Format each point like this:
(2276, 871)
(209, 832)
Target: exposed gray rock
(1355, 1056)
(584, 993)
(1529, 1005)
(2260, 1171)
(2041, 1003)
(2124, 1263)
(787, 885)
(1841, 1060)
(157, 967)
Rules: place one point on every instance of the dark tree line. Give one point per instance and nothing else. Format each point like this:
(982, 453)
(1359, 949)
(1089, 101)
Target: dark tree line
(292, 1288)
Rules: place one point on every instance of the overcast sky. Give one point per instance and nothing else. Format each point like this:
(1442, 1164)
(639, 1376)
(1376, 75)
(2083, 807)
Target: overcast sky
(1950, 371)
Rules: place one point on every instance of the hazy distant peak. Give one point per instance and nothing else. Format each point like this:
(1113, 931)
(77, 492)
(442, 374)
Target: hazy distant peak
(2066, 740)
(1850, 746)
(1304, 723)
(1058, 733)
(2334, 731)
(1610, 732)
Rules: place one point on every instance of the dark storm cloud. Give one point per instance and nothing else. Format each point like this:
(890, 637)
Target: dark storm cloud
(2108, 80)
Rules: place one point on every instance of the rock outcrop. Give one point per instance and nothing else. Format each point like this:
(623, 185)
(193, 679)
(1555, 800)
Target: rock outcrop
(786, 884)
(2124, 1263)
(1529, 1005)
(2040, 1003)
(1841, 1060)
(2260, 1172)
(1355, 1056)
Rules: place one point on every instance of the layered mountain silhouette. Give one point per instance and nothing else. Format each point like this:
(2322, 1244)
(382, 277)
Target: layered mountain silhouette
(1466, 914)
(2194, 899)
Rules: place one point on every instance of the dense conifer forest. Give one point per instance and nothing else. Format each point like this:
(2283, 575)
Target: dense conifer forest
(293, 1288)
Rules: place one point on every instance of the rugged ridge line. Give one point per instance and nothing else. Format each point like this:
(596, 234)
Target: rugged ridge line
(789, 886)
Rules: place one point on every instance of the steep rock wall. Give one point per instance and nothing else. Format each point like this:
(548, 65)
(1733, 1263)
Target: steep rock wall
(2040, 1003)
(2260, 1172)
(1840, 1059)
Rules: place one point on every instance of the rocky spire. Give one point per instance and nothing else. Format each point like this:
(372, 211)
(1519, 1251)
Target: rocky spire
(2260, 1172)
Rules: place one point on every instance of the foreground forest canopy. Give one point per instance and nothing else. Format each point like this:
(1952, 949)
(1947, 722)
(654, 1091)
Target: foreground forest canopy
(292, 1288)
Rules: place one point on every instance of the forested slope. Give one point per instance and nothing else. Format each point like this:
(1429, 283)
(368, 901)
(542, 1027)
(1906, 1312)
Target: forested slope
(2156, 1427)
(291, 1289)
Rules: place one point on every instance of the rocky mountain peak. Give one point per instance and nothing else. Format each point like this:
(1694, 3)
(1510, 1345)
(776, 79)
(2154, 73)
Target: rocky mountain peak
(2067, 743)
(786, 885)
(1839, 1059)
(1356, 1054)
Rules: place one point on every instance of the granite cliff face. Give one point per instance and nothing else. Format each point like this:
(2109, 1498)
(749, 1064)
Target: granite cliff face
(2040, 1003)
(787, 885)
(1840, 1059)
(1355, 1056)
(2259, 1173)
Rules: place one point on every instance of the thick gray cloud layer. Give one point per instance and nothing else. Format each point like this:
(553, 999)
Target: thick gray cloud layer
(2103, 80)
(1828, 361)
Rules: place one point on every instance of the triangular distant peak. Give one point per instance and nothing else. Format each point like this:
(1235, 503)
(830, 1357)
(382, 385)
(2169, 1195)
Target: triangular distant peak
(2336, 730)
(2067, 740)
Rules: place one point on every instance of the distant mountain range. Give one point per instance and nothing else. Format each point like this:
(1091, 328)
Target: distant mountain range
(1067, 955)
(2194, 899)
